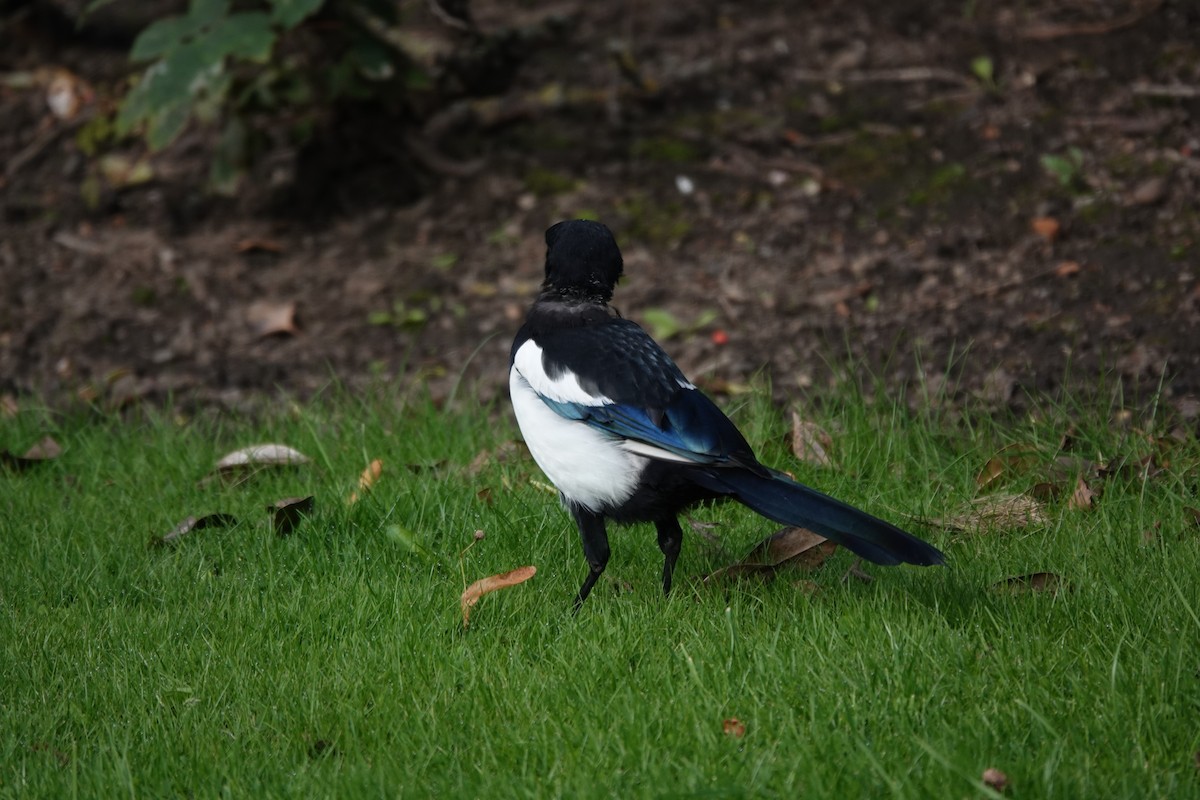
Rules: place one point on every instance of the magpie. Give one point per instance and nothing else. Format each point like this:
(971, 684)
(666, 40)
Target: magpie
(624, 436)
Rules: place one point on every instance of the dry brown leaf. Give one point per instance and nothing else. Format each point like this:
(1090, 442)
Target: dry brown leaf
(733, 727)
(791, 543)
(789, 546)
(1066, 269)
(1008, 461)
(287, 513)
(1081, 498)
(996, 512)
(191, 524)
(259, 246)
(8, 406)
(1046, 227)
(46, 449)
(270, 318)
(810, 442)
(1046, 491)
(995, 779)
(1148, 192)
(366, 480)
(1046, 582)
(483, 586)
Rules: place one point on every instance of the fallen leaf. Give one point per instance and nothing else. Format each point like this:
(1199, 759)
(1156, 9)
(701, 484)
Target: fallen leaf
(789, 546)
(1081, 498)
(810, 442)
(261, 455)
(733, 727)
(1046, 582)
(287, 513)
(270, 318)
(995, 512)
(995, 779)
(479, 588)
(1008, 461)
(1066, 269)
(791, 543)
(366, 480)
(46, 449)
(1148, 192)
(259, 246)
(8, 406)
(191, 524)
(1046, 227)
(1130, 469)
(1046, 491)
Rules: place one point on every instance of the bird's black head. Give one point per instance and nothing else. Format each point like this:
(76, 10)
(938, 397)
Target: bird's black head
(582, 260)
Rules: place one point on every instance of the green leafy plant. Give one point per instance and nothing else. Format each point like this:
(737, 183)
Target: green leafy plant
(190, 54)
(983, 68)
(240, 65)
(1068, 169)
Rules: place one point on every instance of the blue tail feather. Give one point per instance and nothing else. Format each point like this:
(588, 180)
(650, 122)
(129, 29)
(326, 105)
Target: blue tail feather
(790, 503)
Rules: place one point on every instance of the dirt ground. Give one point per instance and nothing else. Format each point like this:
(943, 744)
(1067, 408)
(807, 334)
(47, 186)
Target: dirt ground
(996, 199)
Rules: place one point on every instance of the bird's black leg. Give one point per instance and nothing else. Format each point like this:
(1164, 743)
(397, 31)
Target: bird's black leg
(595, 549)
(670, 540)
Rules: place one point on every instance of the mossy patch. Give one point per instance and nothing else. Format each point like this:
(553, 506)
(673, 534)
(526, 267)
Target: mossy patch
(653, 221)
(547, 183)
(665, 149)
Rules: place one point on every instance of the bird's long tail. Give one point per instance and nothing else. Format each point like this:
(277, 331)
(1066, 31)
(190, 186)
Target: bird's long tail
(780, 498)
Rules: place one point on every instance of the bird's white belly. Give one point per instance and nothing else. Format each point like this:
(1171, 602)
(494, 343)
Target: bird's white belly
(590, 469)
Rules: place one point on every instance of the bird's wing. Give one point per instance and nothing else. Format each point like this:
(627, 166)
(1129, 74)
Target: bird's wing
(615, 378)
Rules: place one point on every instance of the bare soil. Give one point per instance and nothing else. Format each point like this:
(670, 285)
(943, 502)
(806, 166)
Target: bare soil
(808, 189)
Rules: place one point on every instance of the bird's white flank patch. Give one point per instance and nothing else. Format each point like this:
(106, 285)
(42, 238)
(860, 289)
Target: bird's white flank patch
(589, 468)
(563, 389)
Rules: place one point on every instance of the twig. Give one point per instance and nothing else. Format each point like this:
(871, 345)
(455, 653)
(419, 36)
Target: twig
(897, 75)
(43, 140)
(80, 244)
(461, 21)
(1166, 90)
(1145, 123)
(433, 160)
(1054, 30)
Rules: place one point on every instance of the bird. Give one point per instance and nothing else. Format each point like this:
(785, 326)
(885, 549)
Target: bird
(625, 437)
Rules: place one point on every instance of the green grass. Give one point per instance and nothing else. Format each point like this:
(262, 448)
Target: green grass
(334, 662)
